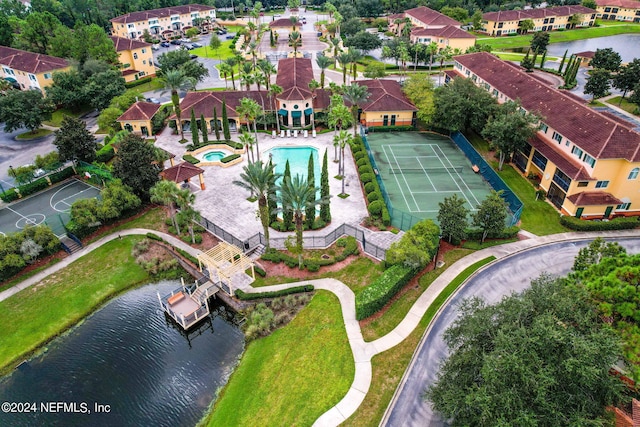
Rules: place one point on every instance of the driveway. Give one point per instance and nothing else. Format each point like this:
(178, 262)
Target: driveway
(512, 274)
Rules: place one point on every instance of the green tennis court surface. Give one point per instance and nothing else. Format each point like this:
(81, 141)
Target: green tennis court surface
(419, 170)
(49, 207)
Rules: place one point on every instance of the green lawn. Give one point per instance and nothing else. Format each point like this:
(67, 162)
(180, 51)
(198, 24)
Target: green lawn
(222, 53)
(292, 376)
(153, 84)
(502, 43)
(538, 216)
(627, 106)
(58, 115)
(40, 313)
(388, 367)
(509, 56)
(38, 133)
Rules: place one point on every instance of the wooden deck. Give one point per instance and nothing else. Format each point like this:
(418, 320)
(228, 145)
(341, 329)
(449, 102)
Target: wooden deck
(188, 305)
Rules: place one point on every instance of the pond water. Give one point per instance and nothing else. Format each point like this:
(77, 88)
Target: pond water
(625, 44)
(130, 357)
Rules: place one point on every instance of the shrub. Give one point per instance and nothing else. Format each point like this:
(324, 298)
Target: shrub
(245, 296)
(229, 158)
(235, 145)
(614, 224)
(61, 175)
(189, 158)
(362, 162)
(392, 128)
(9, 195)
(386, 217)
(375, 296)
(370, 187)
(366, 177)
(373, 196)
(375, 207)
(188, 256)
(138, 82)
(311, 265)
(358, 153)
(155, 237)
(105, 154)
(33, 187)
(259, 271)
(365, 170)
(507, 233)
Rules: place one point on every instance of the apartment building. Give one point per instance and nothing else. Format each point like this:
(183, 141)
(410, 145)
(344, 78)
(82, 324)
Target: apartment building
(135, 57)
(162, 23)
(28, 70)
(587, 161)
(619, 10)
(507, 22)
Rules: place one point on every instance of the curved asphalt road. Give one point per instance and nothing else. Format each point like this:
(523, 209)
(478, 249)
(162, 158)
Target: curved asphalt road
(511, 274)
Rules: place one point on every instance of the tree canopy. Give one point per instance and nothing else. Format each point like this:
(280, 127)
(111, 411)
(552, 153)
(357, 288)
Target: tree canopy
(24, 109)
(598, 83)
(135, 165)
(419, 89)
(491, 214)
(607, 59)
(74, 141)
(540, 41)
(452, 217)
(461, 105)
(416, 247)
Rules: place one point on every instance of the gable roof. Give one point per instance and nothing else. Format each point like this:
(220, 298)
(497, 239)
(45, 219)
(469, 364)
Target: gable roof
(629, 4)
(448, 31)
(518, 15)
(203, 103)
(140, 111)
(181, 172)
(30, 62)
(385, 95)
(294, 75)
(598, 135)
(160, 13)
(122, 43)
(429, 17)
(594, 198)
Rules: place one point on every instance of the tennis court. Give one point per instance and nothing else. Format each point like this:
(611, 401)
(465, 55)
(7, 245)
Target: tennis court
(419, 170)
(49, 207)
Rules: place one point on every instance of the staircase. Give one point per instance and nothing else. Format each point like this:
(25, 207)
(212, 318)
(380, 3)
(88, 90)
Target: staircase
(201, 293)
(256, 252)
(69, 245)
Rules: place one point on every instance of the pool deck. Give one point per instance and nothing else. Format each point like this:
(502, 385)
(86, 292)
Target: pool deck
(227, 206)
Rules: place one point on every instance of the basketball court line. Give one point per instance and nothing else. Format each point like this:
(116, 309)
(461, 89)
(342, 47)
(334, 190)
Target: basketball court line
(72, 183)
(26, 219)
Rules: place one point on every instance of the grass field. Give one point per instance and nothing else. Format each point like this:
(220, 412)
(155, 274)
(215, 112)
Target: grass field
(42, 312)
(510, 56)
(58, 115)
(153, 84)
(627, 106)
(292, 376)
(38, 133)
(502, 43)
(222, 53)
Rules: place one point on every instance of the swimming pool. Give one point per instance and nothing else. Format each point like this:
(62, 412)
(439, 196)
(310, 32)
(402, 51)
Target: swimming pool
(298, 160)
(214, 156)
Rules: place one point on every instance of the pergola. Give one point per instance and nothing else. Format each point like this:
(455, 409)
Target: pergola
(183, 172)
(225, 260)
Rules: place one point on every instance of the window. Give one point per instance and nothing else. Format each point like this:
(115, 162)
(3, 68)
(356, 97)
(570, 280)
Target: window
(562, 180)
(552, 20)
(607, 9)
(495, 92)
(544, 128)
(306, 105)
(144, 50)
(602, 184)
(634, 173)
(557, 137)
(47, 76)
(135, 56)
(295, 107)
(623, 207)
(577, 152)
(8, 71)
(583, 183)
(614, 10)
(32, 78)
(589, 160)
(546, 21)
(539, 160)
(500, 25)
(474, 78)
(467, 73)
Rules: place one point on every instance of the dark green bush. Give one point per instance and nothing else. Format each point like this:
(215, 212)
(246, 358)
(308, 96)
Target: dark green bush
(105, 154)
(9, 195)
(359, 154)
(245, 296)
(187, 255)
(374, 196)
(506, 233)
(259, 271)
(375, 296)
(189, 158)
(362, 162)
(235, 145)
(392, 128)
(34, 186)
(365, 170)
(370, 187)
(153, 236)
(621, 223)
(386, 218)
(366, 177)
(375, 207)
(311, 265)
(61, 175)
(138, 82)
(229, 158)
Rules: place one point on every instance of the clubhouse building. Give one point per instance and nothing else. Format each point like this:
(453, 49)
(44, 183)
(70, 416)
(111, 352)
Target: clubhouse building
(587, 161)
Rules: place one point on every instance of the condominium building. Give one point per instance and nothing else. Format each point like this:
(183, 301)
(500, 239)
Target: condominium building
(162, 23)
(28, 70)
(587, 161)
(135, 57)
(619, 10)
(507, 22)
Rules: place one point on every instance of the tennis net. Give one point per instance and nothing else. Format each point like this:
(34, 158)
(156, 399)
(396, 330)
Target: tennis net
(453, 169)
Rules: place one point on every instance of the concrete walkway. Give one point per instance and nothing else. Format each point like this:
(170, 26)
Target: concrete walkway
(362, 351)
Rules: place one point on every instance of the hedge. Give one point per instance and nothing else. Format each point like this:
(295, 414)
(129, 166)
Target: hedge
(229, 158)
(61, 175)
(391, 128)
(189, 158)
(138, 82)
(370, 187)
(187, 255)
(105, 154)
(155, 237)
(9, 196)
(34, 186)
(622, 223)
(380, 292)
(506, 233)
(245, 296)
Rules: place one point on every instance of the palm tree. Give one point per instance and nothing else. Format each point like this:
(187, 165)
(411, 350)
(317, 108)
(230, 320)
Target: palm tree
(247, 79)
(253, 46)
(295, 41)
(231, 62)
(356, 95)
(335, 43)
(431, 50)
(343, 138)
(355, 55)
(247, 140)
(406, 28)
(225, 70)
(274, 91)
(165, 192)
(259, 179)
(175, 80)
(313, 86)
(185, 200)
(258, 78)
(339, 117)
(294, 22)
(344, 59)
(323, 62)
(445, 54)
(418, 47)
(296, 195)
(268, 69)
(250, 110)
(403, 54)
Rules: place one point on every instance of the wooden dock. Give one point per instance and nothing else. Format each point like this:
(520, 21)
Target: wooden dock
(188, 305)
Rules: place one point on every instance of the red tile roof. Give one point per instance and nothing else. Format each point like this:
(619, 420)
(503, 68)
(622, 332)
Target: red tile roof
(30, 62)
(181, 172)
(203, 103)
(598, 135)
(593, 198)
(518, 15)
(164, 12)
(585, 54)
(282, 23)
(294, 75)
(129, 72)
(140, 111)
(448, 31)
(385, 95)
(629, 4)
(122, 44)
(431, 18)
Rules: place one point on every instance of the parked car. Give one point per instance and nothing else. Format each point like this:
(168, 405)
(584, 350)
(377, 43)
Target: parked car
(186, 47)
(165, 44)
(196, 45)
(176, 42)
(230, 36)
(154, 100)
(192, 56)
(155, 47)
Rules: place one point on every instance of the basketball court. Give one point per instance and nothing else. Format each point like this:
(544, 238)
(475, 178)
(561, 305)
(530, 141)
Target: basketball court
(419, 170)
(50, 207)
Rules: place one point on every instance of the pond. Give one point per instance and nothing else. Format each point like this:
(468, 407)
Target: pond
(130, 357)
(625, 44)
